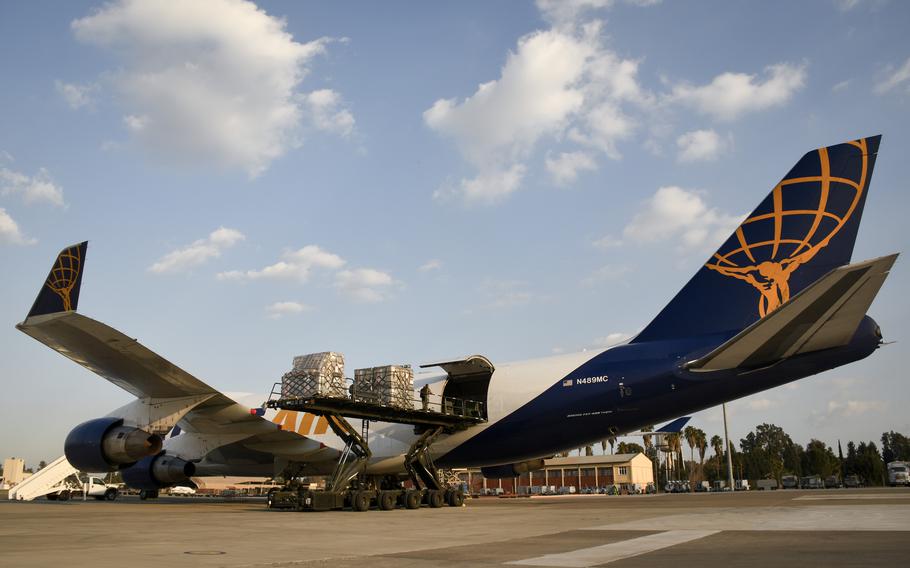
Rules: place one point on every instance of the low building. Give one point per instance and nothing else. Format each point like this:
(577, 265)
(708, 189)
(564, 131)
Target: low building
(574, 474)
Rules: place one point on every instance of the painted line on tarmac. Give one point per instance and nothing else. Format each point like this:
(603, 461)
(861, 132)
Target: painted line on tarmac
(612, 552)
(848, 497)
(858, 517)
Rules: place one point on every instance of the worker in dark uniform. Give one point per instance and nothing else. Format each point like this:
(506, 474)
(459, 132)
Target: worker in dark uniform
(425, 397)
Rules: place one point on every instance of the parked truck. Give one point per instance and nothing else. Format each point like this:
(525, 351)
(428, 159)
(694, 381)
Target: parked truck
(898, 473)
(92, 487)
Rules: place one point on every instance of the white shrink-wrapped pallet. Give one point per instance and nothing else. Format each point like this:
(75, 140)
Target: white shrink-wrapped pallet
(315, 375)
(390, 385)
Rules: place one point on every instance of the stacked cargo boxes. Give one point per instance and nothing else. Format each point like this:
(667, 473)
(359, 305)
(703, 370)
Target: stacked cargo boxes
(315, 375)
(390, 385)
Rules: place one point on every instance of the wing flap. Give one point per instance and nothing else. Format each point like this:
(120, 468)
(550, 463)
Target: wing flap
(824, 315)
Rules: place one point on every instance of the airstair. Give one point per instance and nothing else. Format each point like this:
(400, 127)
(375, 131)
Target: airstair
(44, 481)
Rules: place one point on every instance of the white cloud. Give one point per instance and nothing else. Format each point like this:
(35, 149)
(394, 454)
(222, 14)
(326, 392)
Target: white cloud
(76, 95)
(565, 167)
(39, 188)
(281, 309)
(607, 241)
(364, 284)
(198, 252)
(327, 112)
(504, 294)
(209, 81)
(611, 339)
(430, 265)
(490, 186)
(853, 408)
(674, 212)
(295, 265)
(558, 82)
(895, 78)
(841, 86)
(730, 95)
(9, 231)
(567, 12)
(700, 146)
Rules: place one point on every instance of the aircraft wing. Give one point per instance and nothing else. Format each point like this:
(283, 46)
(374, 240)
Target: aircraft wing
(826, 314)
(135, 368)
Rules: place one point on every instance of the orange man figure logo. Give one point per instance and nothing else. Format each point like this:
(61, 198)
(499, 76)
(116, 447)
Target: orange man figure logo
(771, 277)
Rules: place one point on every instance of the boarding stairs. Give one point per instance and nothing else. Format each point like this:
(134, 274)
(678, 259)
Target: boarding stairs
(44, 481)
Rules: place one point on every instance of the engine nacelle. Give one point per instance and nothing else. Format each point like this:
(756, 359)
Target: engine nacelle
(511, 469)
(158, 472)
(104, 444)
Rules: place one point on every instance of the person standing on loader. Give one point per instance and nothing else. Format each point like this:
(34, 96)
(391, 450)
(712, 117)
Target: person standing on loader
(425, 397)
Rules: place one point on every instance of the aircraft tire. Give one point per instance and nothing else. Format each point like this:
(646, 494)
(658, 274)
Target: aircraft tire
(412, 499)
(64, 495)
(436, 498)
(388, 500)
(455, 498)
(360, 501)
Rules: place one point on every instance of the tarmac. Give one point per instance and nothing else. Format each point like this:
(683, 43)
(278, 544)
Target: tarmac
(832, 528)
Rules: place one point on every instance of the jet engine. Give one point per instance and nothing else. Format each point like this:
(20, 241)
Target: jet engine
(511, 469)
(105, 444)
(157, 472)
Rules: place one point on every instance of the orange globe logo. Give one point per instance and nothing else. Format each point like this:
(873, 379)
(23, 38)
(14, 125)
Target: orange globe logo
(65, 274)
(768, 264)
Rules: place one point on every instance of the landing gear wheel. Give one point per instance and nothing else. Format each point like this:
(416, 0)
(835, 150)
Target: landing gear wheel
(110, 494)
(360, 501)
(412, 499)
(455, 498)
(388, 500)
(64, 495)
(436, 498)
(148, 494)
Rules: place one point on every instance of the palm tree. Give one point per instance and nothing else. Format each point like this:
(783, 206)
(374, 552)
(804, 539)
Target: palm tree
(647, 438)
(717, 443)
(673, 447)
(603, 445)
(691, 438)
(702, 442)
(612, 441)
(589, 450)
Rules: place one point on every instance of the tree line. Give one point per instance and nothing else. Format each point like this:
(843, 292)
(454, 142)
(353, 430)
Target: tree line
(767, 452)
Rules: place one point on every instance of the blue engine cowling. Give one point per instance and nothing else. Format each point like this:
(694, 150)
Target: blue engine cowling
(511, 469)
(105, 444)
(158, 472)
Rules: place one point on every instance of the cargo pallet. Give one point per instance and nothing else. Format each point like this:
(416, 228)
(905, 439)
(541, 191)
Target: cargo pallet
(348, 486)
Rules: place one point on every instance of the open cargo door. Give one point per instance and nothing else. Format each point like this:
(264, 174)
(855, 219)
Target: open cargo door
(468, 380)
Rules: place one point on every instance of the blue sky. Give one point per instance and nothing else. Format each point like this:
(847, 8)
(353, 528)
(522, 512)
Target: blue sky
(405, 182)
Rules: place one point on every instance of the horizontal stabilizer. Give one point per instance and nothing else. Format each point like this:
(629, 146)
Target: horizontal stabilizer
(674, 427)
(824, 315)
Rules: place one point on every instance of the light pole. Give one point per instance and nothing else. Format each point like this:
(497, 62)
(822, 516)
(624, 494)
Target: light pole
(729, 456)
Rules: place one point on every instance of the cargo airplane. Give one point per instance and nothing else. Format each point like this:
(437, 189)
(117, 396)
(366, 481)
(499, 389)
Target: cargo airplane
(780, 300)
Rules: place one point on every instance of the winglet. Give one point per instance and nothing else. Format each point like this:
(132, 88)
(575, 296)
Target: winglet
(60, 292)
(675, 426)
